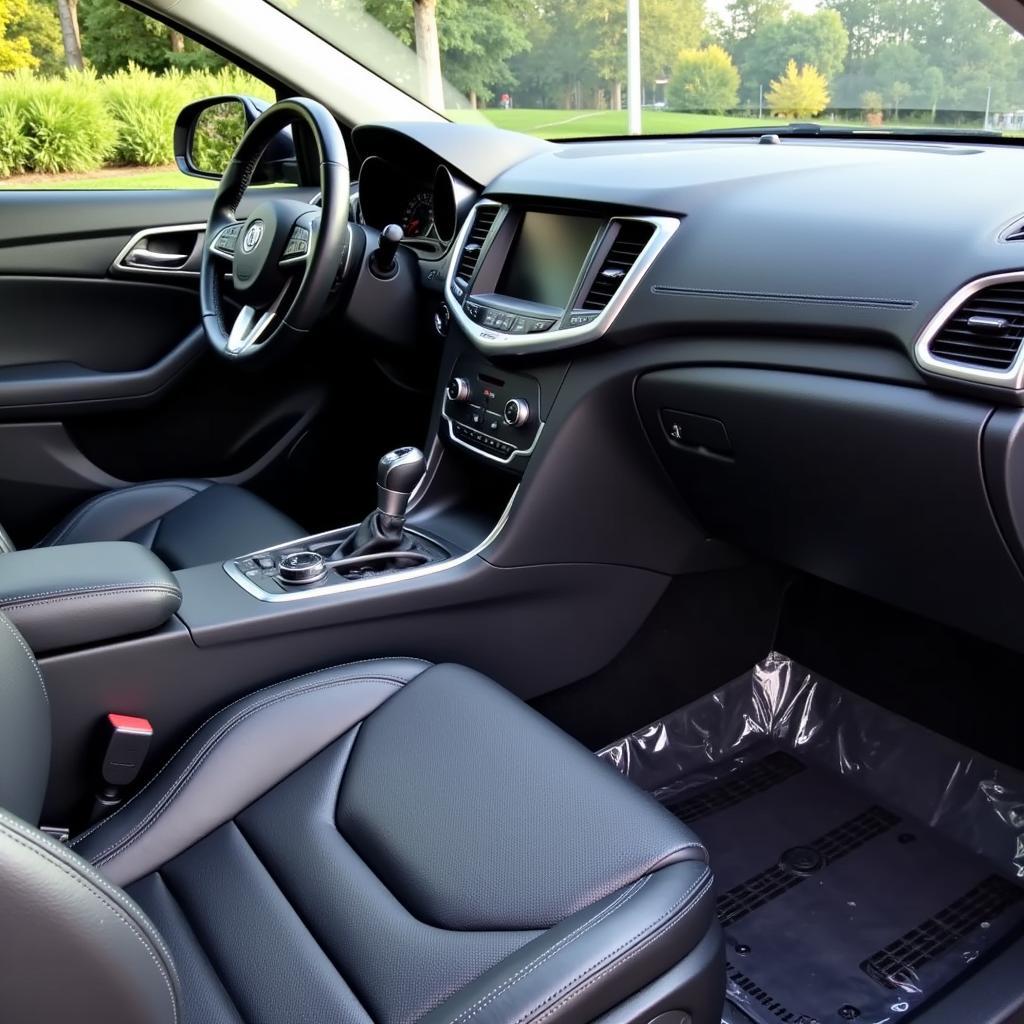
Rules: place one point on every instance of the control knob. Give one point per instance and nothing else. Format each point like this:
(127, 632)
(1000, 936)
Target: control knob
(459, 389)
(517, 412)
(302, 567)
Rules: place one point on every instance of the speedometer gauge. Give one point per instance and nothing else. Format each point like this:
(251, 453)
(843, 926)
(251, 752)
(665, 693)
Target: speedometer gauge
(418, 218)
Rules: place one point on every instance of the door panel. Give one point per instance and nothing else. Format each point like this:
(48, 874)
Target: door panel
(105, 374)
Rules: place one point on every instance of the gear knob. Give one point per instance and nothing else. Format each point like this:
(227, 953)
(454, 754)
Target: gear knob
(398, 473)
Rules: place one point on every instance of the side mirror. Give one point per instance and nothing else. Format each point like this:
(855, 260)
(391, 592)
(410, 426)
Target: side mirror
(208, 132)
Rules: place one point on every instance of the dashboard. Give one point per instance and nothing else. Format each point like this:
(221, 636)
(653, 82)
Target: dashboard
(821, 341)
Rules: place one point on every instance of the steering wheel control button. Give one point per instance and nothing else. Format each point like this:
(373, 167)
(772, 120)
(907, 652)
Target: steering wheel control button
(298, 243)
(517, 412)
(459, 389)
(301, 568)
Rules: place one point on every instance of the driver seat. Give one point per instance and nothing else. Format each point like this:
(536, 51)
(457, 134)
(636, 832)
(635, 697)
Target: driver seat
(183, 522)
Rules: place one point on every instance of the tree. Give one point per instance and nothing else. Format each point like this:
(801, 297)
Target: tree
(38, 23)
(15, 47)
(747, 17)
(932, 81)
(428, 52)
(67, 10)
(798, 93)
(817, 39)
(899, 91)
(114, 35)
(705, 80)
(871, 102)
(475, 41)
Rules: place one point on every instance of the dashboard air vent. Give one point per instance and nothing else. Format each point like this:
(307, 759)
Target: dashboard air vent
(1015, 233)
(629, 243)
(483, 220)
(986, 331)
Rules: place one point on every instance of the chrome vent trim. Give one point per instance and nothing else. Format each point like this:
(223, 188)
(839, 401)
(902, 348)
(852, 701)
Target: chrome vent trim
(945, 361)
(483, 220)
(1015, 232)
(629, 244)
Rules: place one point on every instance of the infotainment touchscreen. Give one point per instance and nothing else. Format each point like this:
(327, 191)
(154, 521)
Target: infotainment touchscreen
(547, 257)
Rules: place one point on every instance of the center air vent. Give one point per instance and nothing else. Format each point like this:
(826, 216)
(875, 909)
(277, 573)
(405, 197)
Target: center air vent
(625, 251)
(483, 220)
(986, 331)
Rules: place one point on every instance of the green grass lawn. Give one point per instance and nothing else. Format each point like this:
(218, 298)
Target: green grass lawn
(121, 178)
(568, 124)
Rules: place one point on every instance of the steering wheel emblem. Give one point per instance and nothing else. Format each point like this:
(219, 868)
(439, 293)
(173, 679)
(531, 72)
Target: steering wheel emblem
(252, 237)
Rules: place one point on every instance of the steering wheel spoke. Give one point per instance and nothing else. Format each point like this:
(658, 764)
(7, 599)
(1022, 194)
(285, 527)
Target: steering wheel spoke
(252, 326)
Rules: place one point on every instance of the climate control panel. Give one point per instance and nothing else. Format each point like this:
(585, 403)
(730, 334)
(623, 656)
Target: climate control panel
(493, 413)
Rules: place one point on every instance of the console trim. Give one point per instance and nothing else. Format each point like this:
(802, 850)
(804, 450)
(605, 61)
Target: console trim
(399, 576)
(498, 343)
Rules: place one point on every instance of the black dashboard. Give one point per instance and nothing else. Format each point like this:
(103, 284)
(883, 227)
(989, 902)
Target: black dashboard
(821, 339)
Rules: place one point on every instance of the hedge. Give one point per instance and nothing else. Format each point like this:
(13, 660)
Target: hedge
(80, 122)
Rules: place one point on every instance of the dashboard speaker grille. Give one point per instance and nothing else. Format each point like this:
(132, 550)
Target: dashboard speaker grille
(986, 331)
(483, 220)
(633, 236)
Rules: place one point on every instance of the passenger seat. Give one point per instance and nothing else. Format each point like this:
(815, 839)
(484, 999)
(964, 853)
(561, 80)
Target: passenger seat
(384, 842)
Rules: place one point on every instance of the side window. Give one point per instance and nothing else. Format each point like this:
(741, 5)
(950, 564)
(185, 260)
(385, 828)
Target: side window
(90, 90)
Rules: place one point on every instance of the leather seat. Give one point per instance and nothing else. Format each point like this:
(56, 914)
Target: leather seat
(388, 841)
(185, 522)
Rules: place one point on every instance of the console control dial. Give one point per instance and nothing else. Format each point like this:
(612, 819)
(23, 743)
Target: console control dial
(517, 412)
(302, 567)
(459, 389)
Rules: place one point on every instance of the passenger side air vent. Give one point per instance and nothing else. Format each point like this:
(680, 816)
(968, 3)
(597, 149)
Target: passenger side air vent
(986, 331)
(625, 251)
(483, 220)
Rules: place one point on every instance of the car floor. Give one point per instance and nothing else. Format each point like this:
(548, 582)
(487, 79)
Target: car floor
(864, 864)
(868, 858)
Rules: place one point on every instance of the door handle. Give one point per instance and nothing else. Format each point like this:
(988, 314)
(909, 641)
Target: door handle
(156, 260)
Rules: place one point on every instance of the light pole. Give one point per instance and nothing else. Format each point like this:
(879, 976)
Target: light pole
(634, 99)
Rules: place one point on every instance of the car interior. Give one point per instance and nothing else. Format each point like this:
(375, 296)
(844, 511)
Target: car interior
(449, 576)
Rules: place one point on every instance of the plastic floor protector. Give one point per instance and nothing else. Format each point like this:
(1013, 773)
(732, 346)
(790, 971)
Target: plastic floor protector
(863, 863)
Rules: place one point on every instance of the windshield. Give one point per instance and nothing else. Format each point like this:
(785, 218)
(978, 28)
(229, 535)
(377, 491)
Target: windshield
(579, 68)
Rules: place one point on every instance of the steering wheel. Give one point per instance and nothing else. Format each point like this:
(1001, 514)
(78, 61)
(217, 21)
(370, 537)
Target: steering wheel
(285, 256)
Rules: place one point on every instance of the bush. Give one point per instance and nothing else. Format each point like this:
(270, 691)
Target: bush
(78, 122)
(705, 80)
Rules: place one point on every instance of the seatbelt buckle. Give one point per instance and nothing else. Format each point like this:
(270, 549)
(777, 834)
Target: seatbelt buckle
(127, 746)
(128, 743)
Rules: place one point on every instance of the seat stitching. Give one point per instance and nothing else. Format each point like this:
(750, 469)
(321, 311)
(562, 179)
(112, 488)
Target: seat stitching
(220, 711)
(21, 603)
(623, 898)
(31, 657)
(629, 956)
(153, 815)
(76, 518)
(113, 588)
(85, 869)
(143, 939)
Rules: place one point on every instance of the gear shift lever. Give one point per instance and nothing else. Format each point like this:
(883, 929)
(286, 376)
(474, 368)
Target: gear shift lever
(382, 530)
(398, 473)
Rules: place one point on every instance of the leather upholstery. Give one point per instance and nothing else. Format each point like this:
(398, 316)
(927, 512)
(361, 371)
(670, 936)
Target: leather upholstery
(381, 843)
(84, 593)
(24, 726)
(75, 947)
(184, 522)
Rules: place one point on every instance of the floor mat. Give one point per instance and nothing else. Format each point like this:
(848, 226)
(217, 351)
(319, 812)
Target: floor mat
(838, 903)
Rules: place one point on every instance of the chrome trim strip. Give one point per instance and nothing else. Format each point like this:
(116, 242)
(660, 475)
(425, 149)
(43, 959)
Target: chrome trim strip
(401, 576)
(1012, 377)
(497, 343)
(170, 229)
